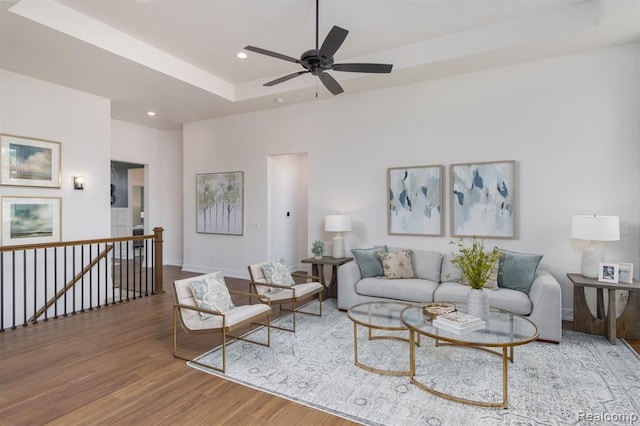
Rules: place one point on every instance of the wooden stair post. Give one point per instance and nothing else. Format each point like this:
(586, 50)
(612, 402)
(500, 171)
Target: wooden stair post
(158, 284)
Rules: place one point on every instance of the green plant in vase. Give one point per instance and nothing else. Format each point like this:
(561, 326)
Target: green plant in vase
(317, 248)
(476, 266)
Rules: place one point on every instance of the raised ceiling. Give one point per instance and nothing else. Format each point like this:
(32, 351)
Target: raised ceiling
(178, 57)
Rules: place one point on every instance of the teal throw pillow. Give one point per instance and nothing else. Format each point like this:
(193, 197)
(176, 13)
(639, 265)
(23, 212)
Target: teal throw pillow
(368, 261)
(517, 270)
(277, 272)
(211, 293)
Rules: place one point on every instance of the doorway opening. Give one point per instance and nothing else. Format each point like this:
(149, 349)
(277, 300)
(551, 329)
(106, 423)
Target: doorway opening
(288, 207)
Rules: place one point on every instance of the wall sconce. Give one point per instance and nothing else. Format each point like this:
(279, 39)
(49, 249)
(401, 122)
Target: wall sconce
(78, 182)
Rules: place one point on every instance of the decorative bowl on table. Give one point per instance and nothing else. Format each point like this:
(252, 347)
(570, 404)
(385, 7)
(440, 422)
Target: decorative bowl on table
(432, 310)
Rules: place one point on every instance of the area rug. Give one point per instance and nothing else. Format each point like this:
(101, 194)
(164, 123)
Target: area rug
(583, 380)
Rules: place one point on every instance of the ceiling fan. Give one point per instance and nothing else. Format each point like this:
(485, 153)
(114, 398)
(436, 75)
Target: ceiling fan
(320, 60)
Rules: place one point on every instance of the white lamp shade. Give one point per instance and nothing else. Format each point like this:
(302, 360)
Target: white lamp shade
(337, 223)
(595, 228)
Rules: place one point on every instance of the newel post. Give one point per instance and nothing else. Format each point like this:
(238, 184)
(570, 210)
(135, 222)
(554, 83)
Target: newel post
(157, 261)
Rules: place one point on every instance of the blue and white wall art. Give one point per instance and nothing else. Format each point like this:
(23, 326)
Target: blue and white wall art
(482, 199)
(415, 200)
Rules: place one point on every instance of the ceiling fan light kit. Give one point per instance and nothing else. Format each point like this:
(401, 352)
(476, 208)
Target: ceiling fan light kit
(320, 60)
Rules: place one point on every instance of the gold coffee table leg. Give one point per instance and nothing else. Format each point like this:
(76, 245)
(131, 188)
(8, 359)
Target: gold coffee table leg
(505, 366)
(368, 367)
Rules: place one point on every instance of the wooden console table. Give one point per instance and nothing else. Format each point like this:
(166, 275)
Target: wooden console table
(605, 323)
(317, 268)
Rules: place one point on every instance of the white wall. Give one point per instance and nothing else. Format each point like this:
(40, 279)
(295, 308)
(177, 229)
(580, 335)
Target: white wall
(161, 152)
(82, 124)
(571, 124)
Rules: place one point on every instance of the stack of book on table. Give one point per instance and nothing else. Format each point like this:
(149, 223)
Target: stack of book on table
(458, 322)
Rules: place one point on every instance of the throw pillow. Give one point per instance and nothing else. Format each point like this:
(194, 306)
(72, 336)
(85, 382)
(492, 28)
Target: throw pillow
(397, 264)
(211, 293)
(492, 282)
(368, 261)
(277, 272)
(517, 270)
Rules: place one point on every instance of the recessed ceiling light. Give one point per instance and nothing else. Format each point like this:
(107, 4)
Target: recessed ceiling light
(278, 100)
(242, 55)
(151, 113)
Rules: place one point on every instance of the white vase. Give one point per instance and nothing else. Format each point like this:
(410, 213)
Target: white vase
(478, 303)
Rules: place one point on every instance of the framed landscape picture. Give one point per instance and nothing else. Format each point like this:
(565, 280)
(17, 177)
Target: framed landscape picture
(30, 220)
(220, 203)
(414, 196)
(29, 162)
(482, 199)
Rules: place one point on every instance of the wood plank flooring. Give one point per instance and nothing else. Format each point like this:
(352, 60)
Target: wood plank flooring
(114, 366)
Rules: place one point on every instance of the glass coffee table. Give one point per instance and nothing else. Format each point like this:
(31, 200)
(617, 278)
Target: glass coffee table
(378, 316)
(503, 331)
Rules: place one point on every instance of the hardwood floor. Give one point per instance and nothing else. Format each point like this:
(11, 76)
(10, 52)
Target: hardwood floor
(114, 366)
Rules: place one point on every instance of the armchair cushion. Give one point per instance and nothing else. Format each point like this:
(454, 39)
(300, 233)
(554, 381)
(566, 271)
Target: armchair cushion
(278, 273)
(211, 292)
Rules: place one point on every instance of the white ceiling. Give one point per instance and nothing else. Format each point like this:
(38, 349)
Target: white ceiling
(178, 57)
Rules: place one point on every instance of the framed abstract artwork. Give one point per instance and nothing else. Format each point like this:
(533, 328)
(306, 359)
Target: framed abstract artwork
(482, 199)
(30, 220)
(29, 162)
(220, 203)
(414, 196)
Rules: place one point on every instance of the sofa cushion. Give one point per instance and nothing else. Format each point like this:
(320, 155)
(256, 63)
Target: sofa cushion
(410, 290)
(509, 300)
(368, 261)
(427, 264)
(450, 272)
(517, 270)
(397, 264)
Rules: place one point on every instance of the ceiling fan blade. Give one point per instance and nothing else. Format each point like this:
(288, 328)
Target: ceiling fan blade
(285, 78)
(370, 68)
(272, 54)
(333, 41)
(330, 83)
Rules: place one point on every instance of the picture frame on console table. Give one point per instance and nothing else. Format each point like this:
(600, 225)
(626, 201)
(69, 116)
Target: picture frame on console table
(30, 220)
(220, 203)
(625, 272)
(414, 200)
(482, 197)
(28, 161)
(608, 272)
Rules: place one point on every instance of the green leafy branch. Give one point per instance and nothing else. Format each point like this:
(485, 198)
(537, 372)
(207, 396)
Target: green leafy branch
(474, 262)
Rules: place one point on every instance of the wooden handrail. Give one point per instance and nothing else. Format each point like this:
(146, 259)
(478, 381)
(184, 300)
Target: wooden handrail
(71, 283)
(77, 242)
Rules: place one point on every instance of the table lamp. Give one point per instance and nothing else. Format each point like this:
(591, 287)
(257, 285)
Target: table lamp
(594, 228)
(337, 223)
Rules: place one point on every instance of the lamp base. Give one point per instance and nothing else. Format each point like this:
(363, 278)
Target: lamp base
(591, 260)
(338, 247)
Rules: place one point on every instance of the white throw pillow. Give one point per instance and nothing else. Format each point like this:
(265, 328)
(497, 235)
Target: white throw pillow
(278, 273)
(397, 264)
(211, 293)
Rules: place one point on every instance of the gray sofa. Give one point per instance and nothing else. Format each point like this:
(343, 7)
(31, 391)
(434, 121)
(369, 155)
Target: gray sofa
(437, 280)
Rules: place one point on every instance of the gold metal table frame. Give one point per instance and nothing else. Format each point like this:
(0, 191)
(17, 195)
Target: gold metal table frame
(379, 316)
(504, 331)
